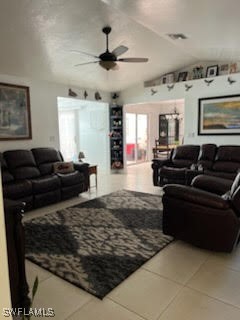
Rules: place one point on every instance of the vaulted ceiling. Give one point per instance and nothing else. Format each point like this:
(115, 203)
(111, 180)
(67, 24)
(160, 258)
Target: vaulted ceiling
(37, 37)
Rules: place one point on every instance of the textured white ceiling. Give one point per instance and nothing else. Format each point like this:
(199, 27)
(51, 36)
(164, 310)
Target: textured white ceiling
(37, 37)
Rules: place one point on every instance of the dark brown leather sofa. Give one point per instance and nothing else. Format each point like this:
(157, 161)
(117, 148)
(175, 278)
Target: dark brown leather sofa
(222, 161)
(209, 220)
(27, 176)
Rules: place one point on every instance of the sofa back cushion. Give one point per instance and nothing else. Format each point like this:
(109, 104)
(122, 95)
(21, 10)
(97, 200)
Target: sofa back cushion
(21, 164)
(45, 158)
(227, 159)
(6, 175)
(207, 155)
(184, 156)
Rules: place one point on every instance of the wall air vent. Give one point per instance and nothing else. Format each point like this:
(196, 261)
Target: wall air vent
(177, 36)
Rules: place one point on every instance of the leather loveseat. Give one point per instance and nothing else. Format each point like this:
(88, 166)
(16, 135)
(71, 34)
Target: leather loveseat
(222, 161)
(28, 176)
(210, 220)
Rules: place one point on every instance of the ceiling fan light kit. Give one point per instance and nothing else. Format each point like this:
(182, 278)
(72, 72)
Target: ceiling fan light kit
(108, 60)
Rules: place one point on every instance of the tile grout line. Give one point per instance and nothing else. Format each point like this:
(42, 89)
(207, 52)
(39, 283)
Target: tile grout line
(132, 311)
(164, 277)
(214, 298)
(86, 303)
(200, 266)
(203, 293)
(170, 303)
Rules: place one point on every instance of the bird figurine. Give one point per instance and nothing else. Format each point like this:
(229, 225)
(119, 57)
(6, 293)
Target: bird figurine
(153, 92)
(208, 82)
(230, 81)
(85, 94)
(115, 96)
(97, 96)
(170, 87)
(71, 93)
(187, 87)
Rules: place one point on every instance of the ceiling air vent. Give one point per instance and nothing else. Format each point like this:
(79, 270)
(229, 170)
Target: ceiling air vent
(177, 36)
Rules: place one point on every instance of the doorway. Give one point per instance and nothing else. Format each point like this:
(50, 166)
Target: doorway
(136, 138)
(84, 127)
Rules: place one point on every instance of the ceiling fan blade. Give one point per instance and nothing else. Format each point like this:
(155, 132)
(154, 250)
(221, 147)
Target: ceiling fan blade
(83, 52)
(120, 50)
(82, 64)
(133, 60)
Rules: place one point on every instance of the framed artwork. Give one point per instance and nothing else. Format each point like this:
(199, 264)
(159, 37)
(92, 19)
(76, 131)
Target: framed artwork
(212, 71)
(167, 78)
(15, 117)
(182, 76)
(219, 115)
(233, 67)
(224, 68)
(197, 72)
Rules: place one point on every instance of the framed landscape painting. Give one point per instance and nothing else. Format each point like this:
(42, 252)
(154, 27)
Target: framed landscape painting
(15, 117)
(219, 115)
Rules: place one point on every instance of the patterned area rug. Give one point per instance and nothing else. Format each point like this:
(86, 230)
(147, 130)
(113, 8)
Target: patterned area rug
(97, 244)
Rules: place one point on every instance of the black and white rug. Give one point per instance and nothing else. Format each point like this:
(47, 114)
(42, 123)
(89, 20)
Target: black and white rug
(97, 244)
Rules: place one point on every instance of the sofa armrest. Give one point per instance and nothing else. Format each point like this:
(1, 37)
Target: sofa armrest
(212, 184)
(80, 166)
(157, 163)
(236, 201)
(196, 196)
(83, 168)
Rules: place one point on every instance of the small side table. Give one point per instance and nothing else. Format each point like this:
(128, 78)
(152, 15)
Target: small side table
(92, 169)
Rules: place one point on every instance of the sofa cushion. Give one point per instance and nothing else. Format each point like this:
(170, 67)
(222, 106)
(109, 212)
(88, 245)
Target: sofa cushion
(207, 155)
(221, 174)
(17, 189)
(184, 156)
(21, 164)
(45, 155)
(207, 152)
(45, 184)
(228, 153)
(3, 162)
(226, 166)
(45, 158)
(6, 175)
(69, 179)
(63, 167)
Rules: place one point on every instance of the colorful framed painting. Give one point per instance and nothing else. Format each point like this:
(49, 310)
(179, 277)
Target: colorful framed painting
(219, 115)
(15, 117)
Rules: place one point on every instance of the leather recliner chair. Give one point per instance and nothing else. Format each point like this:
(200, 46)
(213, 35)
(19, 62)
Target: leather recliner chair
(209, 220)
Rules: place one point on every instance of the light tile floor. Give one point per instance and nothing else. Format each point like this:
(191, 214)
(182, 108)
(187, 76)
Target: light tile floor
(180, 283)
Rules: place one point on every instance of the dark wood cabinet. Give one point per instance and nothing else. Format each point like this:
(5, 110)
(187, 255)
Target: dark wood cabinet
(116, 136)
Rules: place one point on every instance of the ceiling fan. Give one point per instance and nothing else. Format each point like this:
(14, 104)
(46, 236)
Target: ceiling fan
(108, 60)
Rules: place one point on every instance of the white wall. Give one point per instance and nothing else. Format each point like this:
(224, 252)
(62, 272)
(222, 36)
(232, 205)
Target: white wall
(44, 112)
(219, 87)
